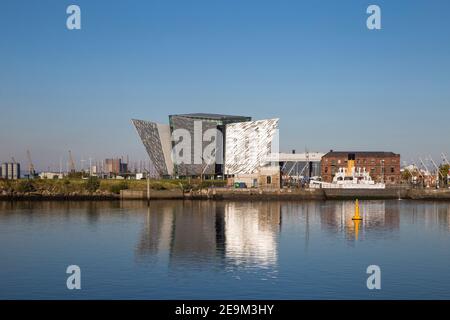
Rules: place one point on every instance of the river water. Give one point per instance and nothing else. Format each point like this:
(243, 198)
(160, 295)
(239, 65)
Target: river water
(225, 250)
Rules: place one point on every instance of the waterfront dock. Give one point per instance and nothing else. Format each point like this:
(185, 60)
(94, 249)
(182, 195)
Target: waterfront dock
(232, 194)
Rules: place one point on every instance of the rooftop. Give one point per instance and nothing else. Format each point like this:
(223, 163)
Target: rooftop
(211, 116)
(361, 153)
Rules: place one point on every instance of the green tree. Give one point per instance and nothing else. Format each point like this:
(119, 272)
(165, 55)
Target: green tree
(115, 188)
(92, 184)
(444, 170)
(25, 186)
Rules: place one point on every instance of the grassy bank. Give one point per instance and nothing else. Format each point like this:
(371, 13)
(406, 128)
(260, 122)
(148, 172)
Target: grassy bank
(96, 186)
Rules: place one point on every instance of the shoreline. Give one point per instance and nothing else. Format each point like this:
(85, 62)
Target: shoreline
(224, 194)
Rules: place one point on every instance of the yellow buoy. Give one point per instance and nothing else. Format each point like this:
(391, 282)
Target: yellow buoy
(357, 216)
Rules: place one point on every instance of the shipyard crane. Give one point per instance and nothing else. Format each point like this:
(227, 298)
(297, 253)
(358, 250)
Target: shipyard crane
(428, 172)
(71, 163)
(82, 164)
(438, 172)
(435, 166)
(31, 170)
(445, 159)
(407, 169)
(418, 169)
(448, 163)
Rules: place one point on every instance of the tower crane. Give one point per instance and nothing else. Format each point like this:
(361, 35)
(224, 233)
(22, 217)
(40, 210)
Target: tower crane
(31, 170)
(71, 163)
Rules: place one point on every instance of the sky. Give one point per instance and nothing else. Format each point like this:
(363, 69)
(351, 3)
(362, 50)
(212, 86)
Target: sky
(333, 83)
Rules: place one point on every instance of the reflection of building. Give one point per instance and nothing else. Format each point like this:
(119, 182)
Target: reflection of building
(251, 232)
(382, 166)
(199, 232)
(207, 144)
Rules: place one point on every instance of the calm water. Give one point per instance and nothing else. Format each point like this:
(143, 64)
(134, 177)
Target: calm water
(229, 250)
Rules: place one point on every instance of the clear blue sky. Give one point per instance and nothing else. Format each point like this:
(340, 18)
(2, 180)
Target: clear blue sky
(333, 83)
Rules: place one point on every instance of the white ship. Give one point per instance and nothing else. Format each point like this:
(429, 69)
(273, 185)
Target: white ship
(349, 178)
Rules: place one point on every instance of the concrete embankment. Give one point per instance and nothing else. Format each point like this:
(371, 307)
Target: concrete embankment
(249, 195)
(292, 194)
(154, 194)
(388, 193)
(256, 194)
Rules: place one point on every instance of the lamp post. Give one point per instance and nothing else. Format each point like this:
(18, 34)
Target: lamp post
(148, 186)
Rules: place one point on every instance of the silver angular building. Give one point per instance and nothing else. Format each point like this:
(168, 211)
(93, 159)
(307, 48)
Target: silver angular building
(156, 138)
(249, 144)
(181, 148)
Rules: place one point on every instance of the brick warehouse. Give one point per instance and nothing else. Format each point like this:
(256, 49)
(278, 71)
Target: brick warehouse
(382, 166)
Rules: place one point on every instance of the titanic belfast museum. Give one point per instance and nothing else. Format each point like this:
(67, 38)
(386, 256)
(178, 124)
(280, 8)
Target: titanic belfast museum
(210, 145)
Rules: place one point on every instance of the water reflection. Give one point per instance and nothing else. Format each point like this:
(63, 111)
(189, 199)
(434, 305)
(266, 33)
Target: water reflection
(251, 233)
(218, 249)
(377, 219)
(196, 234)
(243, 234)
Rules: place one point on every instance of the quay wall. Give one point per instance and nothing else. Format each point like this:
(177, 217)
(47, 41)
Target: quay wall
(231, 194)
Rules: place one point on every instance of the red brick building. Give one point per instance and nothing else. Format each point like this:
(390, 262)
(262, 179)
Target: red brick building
(382, 166)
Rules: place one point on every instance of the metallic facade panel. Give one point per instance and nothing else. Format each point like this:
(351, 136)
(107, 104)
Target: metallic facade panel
(194, 167)
(156, 139)
(165, 138)
(248, 144)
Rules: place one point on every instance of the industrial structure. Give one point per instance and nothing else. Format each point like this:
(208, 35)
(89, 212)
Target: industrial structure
(10, 170)
(115, 167)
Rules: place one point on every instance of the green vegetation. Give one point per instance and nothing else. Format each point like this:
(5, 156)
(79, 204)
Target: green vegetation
(25, 186)
(115, 188)
(444, 170)
(92, 185)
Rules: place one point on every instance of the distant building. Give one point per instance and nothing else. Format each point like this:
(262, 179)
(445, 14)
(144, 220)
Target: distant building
(10, 171)
(51, 175)
(298, 164)
(382, 166)
(115, 166)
